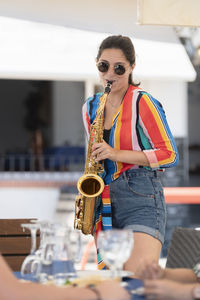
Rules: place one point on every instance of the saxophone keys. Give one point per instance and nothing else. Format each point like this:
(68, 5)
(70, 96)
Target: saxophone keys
(80, 214)
(79, 201)
(79, 226)
(78, 197)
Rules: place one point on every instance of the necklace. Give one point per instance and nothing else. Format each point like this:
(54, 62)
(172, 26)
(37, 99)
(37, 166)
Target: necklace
(114, 106)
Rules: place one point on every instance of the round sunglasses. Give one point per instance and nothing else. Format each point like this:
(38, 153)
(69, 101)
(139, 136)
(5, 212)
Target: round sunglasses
(104, 66)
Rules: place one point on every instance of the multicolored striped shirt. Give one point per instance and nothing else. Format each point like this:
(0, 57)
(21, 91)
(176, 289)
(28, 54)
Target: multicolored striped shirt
(139, 124)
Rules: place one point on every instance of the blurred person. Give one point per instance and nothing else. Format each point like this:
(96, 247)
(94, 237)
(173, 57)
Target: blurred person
(12, 288)
(137, 143)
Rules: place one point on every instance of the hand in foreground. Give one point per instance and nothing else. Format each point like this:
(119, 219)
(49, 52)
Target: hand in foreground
(103, 151)
(167, 289)
(150, 270)
(111, 290)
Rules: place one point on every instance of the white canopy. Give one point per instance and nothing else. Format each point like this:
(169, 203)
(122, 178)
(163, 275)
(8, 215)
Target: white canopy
(39, 51)
(169, 12)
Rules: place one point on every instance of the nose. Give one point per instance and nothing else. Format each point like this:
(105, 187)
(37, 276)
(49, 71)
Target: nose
(110, 72)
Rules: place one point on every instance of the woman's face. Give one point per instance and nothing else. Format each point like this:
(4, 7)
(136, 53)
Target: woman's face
(114, 57)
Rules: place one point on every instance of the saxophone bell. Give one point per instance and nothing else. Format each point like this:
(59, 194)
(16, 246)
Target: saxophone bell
(90, 185)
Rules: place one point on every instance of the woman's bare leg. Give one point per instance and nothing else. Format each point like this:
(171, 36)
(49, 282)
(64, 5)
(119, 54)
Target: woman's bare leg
(145, 248)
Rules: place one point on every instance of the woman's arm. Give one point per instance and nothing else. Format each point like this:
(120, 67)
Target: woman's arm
(108, 290)
(154, 133)
(11, 288)
(151, 270)
(102, 151)
(181, 275)
(168, 289)
(154, 137)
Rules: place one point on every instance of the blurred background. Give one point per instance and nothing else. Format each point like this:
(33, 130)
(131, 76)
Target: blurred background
(47, 70)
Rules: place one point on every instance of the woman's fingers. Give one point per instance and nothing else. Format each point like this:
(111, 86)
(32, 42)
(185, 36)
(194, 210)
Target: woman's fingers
(97, 149)
(101, 151)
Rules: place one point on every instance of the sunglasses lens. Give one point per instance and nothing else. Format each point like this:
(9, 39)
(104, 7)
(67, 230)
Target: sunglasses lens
(120, 70)
(103, 67)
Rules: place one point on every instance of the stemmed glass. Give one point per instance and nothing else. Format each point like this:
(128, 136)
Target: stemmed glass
(115, 247)
(29, 265)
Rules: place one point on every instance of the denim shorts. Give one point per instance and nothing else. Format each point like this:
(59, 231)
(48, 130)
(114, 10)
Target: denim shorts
(138, 203)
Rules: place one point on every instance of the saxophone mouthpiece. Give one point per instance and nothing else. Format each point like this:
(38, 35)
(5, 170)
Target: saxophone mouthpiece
(108, 87)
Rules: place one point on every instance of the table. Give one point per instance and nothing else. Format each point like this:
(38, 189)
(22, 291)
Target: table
(132, 284)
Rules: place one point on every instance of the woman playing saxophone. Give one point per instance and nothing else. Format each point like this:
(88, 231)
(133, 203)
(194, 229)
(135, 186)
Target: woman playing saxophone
(137, 142)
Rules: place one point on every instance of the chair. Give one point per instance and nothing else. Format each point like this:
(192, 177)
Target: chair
(15, 243)
(184, 249)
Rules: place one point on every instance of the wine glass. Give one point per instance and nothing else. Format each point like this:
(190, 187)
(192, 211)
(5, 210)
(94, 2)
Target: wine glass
(29, 265)
(115, 247)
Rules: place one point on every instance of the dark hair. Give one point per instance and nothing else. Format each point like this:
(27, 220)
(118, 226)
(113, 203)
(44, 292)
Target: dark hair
(123, 43)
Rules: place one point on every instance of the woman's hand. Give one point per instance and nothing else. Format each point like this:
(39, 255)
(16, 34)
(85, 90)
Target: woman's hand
(103, 151)
(167, 289)
(150, 270)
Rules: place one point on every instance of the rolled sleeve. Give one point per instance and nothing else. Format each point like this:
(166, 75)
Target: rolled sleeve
(152, 158)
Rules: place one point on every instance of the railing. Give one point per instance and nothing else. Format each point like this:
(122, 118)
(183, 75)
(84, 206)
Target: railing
(32, 163)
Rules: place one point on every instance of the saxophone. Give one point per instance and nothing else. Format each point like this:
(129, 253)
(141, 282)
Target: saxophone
(91, 185)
